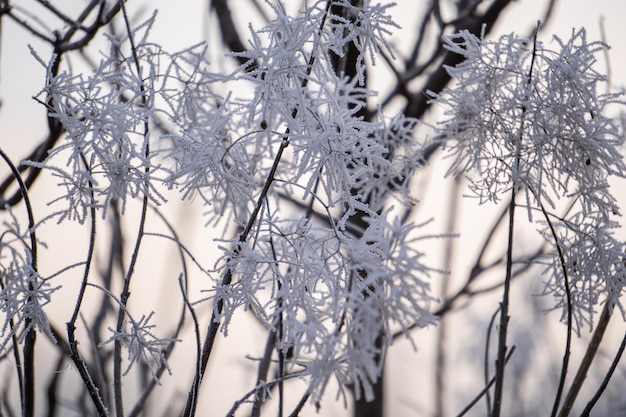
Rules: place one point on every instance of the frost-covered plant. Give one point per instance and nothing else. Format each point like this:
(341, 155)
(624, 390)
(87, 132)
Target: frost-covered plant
(528, 116)
(301, 183)
(305, 274)
(281, 129)
(24, 295)
(142, 345)
(522, 117)
(105, 148)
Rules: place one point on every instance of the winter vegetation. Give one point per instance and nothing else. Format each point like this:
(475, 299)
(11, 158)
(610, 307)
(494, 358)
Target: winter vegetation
(269, 202)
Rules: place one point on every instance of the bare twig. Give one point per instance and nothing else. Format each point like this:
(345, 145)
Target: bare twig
(214, 324)
(28, 386)
(300, 405)
(486, 389)
(504, 306)
(182, 282)
(487, 344)
(92, 389)
(568, 293)
(125, 293)
(606, 380)
(585, 364)
(262, 371)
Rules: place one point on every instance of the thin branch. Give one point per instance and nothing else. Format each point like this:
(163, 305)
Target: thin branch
(61, 44)
(504, 311)
(227, 278)
(198, 363)
(182, 282)
(419, 103)
(263, 387)
(101, 20)
(568, 293)
(125, 293)
(486, 364)
(74, 354)
(477, 269)
(262, 371)
(274, 337)
(485, 390)
(415, 51)
(606, 380)
(585, 364)
(52, 393)
(24, 24)
(300, 405)
(28, 405)
(504, 306)
(66, 19)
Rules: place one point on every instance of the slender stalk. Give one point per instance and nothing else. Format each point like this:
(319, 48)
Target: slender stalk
(267, 386)
(74, 354)
(486, 366)
(504, 305)
(18, 361)
(606, 380)
(214, 324)
(125, 293)
(568, 293)
(28, 375)
(477, 269)
(274, 339)
(182, 282)
(504, 313)
(300, 405)
(485, 390)
(585, 364)
(193, 400)
(263, 369)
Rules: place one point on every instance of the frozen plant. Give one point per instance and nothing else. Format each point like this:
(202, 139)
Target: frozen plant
(530, 118)
(309, 182)
(527, 118)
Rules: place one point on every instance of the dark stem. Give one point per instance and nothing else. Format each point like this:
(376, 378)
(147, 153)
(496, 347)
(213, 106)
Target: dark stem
(585, 364)
(485, 390)
(568, 294)
(28, 380)
(52, 393)
(263, 370)
(300, 405)
(214, 324)
(504, 305)
(504, 313)
(226, 280)
(125, 293)
(606, 380)
(182, 282)
(75, 356)
(487, 344)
